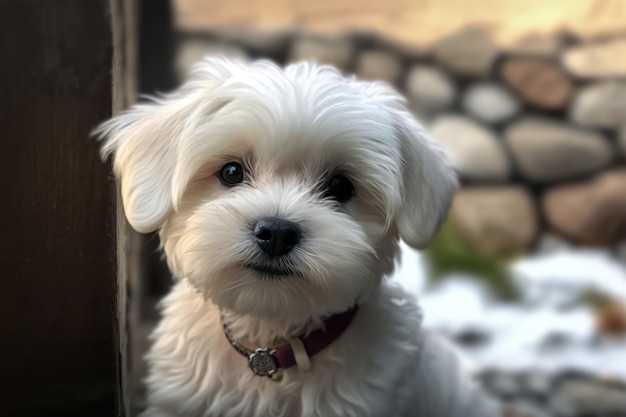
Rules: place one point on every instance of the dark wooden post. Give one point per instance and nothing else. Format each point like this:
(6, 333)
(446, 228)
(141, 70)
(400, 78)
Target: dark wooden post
(64, 67)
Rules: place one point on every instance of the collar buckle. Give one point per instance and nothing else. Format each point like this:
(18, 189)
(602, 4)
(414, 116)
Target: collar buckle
(262, 362)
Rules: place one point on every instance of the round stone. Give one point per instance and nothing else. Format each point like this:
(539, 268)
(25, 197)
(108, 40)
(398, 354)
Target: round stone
(262, 43)
(469, 53)
(597, 60)
(600, 105)
(538, 82)
(474, 149)
(429, 89)
(332, 51)
(490, 102)
(497, 221)
(379, 65)
(588, 398)
(547, 150)
(544, 46)
(590, 213)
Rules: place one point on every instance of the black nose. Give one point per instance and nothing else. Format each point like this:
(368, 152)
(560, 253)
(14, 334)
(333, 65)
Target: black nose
(276, 236)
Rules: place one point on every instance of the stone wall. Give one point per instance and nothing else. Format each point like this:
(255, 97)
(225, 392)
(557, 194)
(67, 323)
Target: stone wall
(538, 130)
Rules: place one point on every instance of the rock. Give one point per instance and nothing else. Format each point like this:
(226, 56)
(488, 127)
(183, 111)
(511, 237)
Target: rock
(471, 338)
(598, 60)
(611, 320)
(504, 385)
(490, 102)
(555, 341)
(539, 82)
(592, 212)
(588, 398)
(621, 141)
(524, 409)
(570, 374)
(191, 51)
(368, 40)
(469, 53)
(333, 51)
(600, 105)
(474, 149)
(550, 243)
(538, 46)
(547, 150)
(260, 42)
(429, 89)
(495, 221)
(536, 384)
(379, 65)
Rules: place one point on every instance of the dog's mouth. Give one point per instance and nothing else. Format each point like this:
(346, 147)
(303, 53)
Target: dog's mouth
(273, 270)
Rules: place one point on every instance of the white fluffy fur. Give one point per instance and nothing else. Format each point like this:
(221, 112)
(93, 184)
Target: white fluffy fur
(291, 129)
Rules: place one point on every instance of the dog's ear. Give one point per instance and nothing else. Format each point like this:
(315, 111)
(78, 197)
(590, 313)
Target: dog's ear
(429, 182)
(429, 179)
(145, 143)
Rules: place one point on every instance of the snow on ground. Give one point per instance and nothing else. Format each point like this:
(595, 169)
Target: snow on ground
(548, 329)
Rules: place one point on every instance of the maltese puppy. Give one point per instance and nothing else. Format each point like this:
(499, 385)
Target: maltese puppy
(281, 197)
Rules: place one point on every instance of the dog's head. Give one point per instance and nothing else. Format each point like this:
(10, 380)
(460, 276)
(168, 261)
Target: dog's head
(279, 192)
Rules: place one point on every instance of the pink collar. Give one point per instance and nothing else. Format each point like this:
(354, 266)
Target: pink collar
(266, 361)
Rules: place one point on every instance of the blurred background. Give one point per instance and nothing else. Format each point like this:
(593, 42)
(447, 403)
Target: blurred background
(528, 275)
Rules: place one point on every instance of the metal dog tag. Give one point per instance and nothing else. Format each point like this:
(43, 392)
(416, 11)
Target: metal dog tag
(262, 362)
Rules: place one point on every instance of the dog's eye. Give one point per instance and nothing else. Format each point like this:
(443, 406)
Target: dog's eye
(231, 174)
(340, 188)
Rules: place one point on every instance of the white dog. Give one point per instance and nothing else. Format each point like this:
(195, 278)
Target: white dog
(281, 196)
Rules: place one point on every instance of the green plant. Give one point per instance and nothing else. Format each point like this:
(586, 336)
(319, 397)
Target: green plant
(448, 253)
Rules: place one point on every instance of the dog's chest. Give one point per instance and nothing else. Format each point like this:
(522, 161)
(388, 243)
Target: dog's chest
(196, 372)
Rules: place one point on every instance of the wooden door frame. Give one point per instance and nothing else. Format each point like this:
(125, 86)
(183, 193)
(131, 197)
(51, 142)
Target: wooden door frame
(66, 66)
